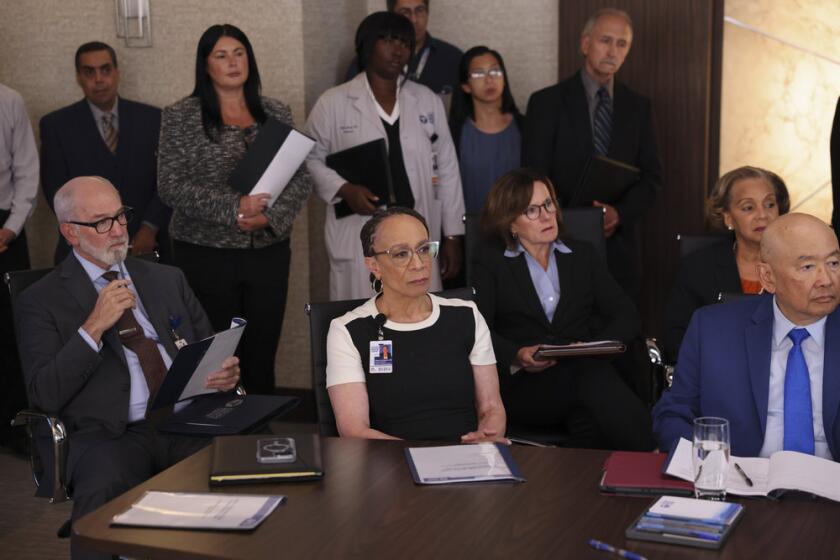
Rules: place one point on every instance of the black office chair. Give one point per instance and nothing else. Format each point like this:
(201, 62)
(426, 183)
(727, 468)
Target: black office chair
(586, 224)
(691, 243)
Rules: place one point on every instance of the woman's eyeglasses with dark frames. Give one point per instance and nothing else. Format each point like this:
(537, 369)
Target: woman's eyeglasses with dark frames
(532, 212)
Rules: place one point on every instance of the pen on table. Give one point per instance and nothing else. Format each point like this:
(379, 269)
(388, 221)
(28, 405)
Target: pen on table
(598, 545)
(747, 479)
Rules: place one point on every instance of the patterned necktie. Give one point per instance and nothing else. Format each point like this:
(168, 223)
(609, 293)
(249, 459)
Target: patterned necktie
(602, 123)
(111, 135)
(132, 337)
(799, 423)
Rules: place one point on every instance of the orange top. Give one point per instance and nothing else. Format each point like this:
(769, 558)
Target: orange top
(750, 286)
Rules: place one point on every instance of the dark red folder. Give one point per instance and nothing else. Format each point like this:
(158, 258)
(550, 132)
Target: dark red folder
(640, 473)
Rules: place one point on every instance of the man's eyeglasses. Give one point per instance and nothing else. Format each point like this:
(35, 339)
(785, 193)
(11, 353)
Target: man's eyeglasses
(105, 224)
(494, 73)
(532, 212)
(401, 255)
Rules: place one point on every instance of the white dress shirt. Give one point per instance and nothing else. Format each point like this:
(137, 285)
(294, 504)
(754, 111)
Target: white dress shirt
(97, 117)
(19, 169)
(813, 348)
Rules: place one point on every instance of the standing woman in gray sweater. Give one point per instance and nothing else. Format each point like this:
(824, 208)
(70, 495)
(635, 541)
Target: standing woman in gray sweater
(234, 249)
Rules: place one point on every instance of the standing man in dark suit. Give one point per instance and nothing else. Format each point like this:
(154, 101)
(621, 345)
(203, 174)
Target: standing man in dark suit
(97, 335)
(589, 114)
(434, 63)
(110, 137)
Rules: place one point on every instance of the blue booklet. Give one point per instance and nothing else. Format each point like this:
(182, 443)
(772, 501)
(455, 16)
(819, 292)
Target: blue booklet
(688, 521)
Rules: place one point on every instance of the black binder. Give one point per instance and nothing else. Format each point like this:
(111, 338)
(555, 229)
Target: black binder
(270, 139)
(365, 164)
(236, 460)
(226, 413)
(604, 180)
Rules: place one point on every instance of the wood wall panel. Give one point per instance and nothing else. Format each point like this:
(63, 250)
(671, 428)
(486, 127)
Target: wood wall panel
(675, 61)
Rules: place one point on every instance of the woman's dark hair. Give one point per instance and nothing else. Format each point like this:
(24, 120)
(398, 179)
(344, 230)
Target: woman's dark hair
(462, 103)
(508, 199)
(721, 196)
(211, 115)
(368, 233)
(382, 25)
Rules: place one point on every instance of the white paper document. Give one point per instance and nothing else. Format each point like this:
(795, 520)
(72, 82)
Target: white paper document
(784, 470)
(462, 463)
(180, 510)
(224, 345)
(283, 166)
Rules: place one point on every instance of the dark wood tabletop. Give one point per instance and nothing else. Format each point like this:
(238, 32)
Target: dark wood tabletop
(367, 506)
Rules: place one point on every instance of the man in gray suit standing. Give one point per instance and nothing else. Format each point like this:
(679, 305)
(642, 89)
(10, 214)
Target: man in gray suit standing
(97, 335)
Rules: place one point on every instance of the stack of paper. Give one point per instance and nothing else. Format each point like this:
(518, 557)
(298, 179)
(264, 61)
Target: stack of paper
(700, 523)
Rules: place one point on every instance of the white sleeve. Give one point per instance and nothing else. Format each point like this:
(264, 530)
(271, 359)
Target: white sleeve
(482, 351)
(320, 126)
(25, 170)
(344, 365)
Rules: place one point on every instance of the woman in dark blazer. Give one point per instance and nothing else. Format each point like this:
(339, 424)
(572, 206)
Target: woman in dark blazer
(745, 201)
(532, 289)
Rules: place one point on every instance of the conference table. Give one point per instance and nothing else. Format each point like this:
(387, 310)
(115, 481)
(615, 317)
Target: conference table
(367, 506)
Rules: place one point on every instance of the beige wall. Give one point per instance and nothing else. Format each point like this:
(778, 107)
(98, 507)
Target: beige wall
(302, 46)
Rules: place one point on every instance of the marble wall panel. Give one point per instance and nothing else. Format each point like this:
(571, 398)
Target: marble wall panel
(781, 79)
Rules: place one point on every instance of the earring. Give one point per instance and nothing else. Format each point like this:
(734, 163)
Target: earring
(514, 235)
(376, 285)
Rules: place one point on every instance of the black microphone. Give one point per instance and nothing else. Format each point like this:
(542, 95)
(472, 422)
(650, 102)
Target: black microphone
(380, 319)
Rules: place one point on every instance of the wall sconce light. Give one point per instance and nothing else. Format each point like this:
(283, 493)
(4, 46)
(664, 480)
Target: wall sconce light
(134, 22)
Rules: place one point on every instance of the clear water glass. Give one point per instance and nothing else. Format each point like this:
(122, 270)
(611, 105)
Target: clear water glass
(710, 457)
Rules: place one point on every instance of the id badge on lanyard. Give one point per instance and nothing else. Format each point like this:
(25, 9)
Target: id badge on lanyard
(381, 351)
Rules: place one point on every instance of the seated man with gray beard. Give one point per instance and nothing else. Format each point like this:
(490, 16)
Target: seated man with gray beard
(97, 335)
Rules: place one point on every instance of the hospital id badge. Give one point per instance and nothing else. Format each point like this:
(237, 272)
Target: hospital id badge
(381, 356)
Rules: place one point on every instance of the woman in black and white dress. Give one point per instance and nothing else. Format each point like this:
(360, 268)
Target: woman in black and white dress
(408, 364)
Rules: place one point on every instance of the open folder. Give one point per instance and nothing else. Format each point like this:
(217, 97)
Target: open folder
(604, 180)
(367, 165)
(212, 412)
(271, 160)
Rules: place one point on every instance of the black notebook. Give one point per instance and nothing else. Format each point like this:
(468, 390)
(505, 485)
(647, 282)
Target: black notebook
(366, 165)
(265, 458)
(604, 180)
(271, 160)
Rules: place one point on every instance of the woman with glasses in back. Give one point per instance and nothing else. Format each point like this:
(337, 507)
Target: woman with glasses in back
(407, 364)
(233, 248)
(485, 124)
(535, 288)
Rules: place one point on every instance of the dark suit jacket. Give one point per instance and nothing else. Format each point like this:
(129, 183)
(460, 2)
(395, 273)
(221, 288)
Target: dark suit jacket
(557, 140)
(89, 390)
(702, 276)
(592, 305)
(71, 146)
(724, 370)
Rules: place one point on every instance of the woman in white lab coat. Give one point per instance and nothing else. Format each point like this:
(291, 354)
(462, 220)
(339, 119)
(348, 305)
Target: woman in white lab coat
(381, 103)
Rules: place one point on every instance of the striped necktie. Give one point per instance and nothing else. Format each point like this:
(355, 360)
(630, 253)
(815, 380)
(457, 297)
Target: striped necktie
(602, 123)
(111, 135)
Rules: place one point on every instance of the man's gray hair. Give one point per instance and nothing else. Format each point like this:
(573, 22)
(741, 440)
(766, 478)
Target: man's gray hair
(64, 202)
(590, 23)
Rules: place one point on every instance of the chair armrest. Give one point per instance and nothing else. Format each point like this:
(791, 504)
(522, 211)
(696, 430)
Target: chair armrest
(58, 434)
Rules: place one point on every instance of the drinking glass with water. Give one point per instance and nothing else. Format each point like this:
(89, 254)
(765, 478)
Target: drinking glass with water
(710, 457)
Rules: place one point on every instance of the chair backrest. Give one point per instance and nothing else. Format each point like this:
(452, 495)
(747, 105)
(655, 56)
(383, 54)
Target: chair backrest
(18, 280)
(691, 243)
(320, 316)
(586, 224)
(472, 237)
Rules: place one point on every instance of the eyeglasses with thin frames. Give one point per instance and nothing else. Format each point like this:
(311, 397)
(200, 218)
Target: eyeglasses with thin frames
(105, 224)
(402, 255)
(532, 212)
(494, 73)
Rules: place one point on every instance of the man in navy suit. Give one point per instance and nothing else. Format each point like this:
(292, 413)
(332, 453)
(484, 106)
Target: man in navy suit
(770, 364)
(589, 114)
(111, 137)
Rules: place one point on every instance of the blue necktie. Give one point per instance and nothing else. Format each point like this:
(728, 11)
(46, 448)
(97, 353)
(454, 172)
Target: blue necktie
(602, 123)
(799, 423)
